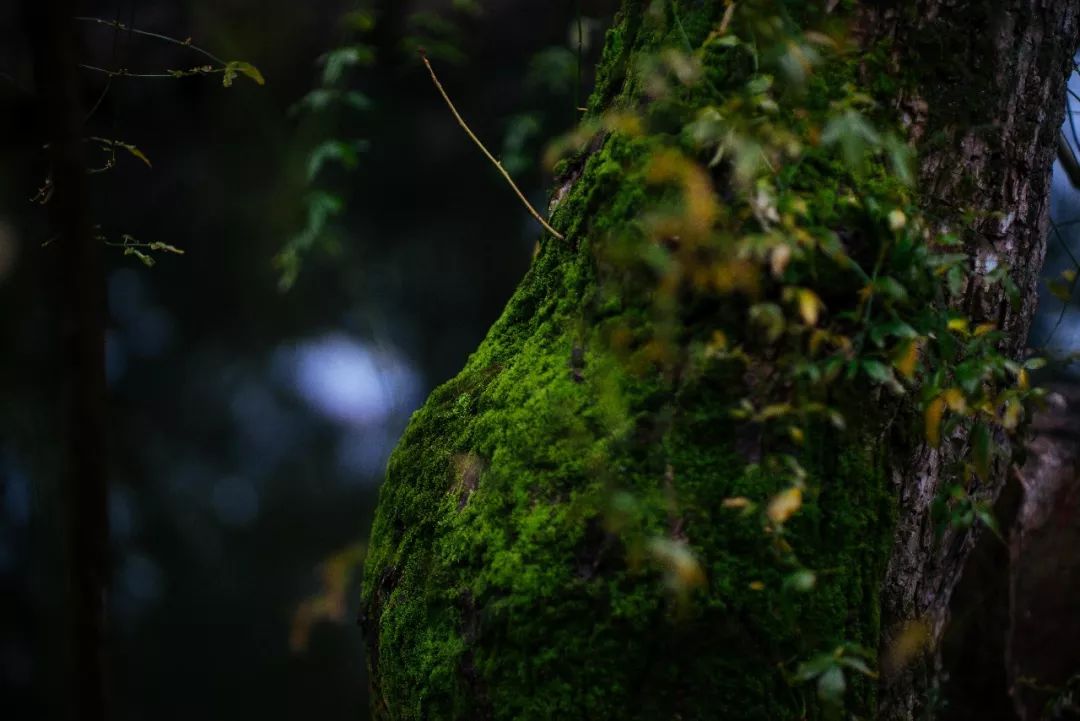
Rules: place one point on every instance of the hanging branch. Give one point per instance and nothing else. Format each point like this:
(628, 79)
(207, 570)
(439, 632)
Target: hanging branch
(228, 68)
(486, 152)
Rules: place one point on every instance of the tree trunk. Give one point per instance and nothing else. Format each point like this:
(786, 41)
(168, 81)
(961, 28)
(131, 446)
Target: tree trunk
(560, 533)
(80, 266)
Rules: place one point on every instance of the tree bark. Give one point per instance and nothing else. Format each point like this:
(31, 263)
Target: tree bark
(515, 569)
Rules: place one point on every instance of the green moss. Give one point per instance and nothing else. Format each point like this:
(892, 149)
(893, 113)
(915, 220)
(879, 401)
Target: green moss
(525, 592)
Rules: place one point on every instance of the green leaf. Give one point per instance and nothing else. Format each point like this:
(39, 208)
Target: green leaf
(987, 518)
(831, 685)
(878, 371)
(802, 580)
(858, 664)
(323, 98)
(159, 246)
(816, 666)
(337, 62)
(891, 288)
(146, 259)
(770, 318)
(345, 153)
(235, 67)
(853, 134)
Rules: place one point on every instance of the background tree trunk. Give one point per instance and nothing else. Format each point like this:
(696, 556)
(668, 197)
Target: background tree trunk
(81, 269)
(511, 572)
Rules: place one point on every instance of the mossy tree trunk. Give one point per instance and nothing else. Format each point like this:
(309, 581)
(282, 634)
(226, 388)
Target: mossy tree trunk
(555, 537)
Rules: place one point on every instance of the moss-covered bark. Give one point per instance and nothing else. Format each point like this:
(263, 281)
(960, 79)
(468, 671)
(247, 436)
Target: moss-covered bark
(514, 571)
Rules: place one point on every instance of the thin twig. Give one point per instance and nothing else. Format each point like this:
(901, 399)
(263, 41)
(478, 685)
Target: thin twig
(726, 20)
(124, 73)
(472, 136)
(145, 33)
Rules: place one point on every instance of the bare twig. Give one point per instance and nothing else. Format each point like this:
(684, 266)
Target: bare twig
(487, 154)
(186, 43)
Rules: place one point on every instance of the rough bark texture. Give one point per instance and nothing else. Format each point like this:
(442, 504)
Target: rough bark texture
(986, 106)
(506, 577)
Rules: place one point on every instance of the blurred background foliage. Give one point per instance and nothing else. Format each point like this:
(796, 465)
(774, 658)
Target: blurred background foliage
(249, 427)
(345, 248)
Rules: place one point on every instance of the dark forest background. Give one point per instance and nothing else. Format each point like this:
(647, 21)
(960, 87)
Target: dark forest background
(249, 426)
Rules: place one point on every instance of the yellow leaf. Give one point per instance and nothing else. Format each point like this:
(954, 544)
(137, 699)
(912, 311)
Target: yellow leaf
(809, 306)
(784, 505)
(238, 66)
(136, 152)
(1010, 419)
(984, 328)
(955, 400)
(934, 412)
(738, 502)
(682, 569)
(908, 358)
(757, 586)
(1023, 382)
(797, 434)
(897, 219)
(960, 325)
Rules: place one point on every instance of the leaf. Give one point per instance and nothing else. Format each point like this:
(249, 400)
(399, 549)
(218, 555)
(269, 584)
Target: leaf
(159, 246)
(891, 288)
(323, 98)
(907, 359)
(858, 664)
(345, 153)
(853, 133)
(958, 325)
(809, 306)
(146, 259)
(831, 685)
(235, 67)
(932, 420)
(770, 318)
(784, 505)
(987, 518)
(802, 580)
(877, 371)
(337, 62)
(134, 151)
(816, 666)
